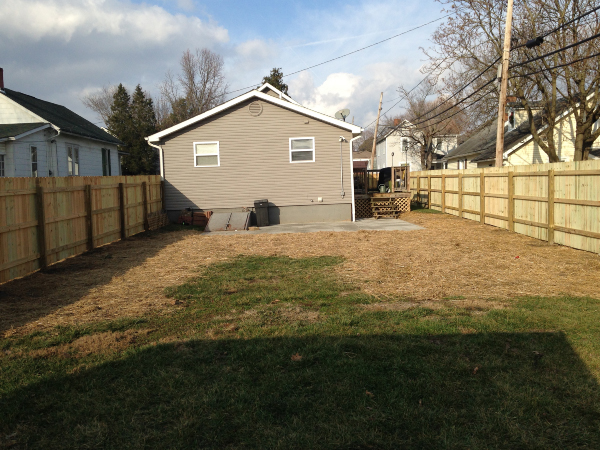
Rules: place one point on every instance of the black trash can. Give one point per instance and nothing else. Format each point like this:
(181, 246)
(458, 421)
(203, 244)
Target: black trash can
(261, 209)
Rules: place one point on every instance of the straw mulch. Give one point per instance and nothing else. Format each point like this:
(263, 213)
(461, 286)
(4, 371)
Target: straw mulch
(451, 257)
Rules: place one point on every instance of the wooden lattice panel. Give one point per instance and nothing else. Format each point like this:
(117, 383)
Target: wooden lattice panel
(402, 204)
(363, 208)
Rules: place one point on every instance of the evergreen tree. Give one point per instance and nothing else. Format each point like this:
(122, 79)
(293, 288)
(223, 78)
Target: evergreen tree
(275, 79)
(144, 158)
(131, 120)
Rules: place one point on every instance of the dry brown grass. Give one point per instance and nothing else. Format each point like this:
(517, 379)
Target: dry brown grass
(449, 258)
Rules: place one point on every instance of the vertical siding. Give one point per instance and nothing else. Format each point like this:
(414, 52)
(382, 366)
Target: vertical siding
(255, 161)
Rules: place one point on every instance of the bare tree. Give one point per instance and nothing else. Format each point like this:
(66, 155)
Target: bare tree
(199, 87)
(101, 101)
(426, 118)
(471, 42)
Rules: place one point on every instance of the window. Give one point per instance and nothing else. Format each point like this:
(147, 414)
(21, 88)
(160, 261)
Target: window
(2, 166)
(34, 161)
(73, 160)
(106, 162)
(206, 154)
(302, 150)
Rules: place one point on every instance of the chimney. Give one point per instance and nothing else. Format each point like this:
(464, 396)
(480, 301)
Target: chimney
(396, 122)
(1, 79)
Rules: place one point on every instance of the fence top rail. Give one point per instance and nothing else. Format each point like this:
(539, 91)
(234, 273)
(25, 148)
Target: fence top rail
(18, 192)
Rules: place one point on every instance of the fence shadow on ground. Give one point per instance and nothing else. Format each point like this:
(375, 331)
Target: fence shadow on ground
(32, 297)
(380, 391)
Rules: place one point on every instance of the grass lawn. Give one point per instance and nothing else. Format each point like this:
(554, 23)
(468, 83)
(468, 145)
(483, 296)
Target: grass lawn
(274, 352)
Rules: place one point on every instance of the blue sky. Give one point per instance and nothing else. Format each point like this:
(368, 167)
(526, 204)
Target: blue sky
(60, 50)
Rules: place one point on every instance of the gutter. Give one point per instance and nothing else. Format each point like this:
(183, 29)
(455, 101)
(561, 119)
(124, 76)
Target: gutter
(160, 158)
(352, 178)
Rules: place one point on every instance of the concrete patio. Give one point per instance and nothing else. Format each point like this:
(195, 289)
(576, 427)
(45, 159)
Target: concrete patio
(361, 224)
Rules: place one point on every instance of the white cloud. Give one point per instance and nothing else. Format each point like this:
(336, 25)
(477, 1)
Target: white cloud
(66, 19)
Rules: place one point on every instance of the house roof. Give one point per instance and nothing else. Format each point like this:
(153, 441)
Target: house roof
(16, 130)
(365, 154)
(267, 98)
(63, 118)
(483, 143)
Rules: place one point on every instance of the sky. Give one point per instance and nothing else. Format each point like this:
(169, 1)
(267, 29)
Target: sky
(62, 50)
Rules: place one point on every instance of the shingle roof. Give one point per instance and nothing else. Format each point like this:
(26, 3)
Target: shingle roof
(61, 117)
(365, 154)
(8, 130)
(483, 143)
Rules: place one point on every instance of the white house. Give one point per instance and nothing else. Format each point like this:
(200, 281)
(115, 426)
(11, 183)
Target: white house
(395, 147)
(41, 139)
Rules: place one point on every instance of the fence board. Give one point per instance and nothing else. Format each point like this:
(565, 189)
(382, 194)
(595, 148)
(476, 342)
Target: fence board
(78, 213)
(557, 202)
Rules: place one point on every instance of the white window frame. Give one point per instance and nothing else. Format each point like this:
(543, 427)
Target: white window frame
(218, 154)
(71, 170)
(314, 150)
(2, 165)
(37, 160)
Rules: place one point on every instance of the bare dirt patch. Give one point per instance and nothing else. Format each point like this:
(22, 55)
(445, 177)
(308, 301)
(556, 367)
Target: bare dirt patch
(451, 257)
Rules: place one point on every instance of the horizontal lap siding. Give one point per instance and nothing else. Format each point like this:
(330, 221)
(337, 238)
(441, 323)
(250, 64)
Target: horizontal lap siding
(254, 154)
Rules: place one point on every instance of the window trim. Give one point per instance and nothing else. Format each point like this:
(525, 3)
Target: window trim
(218, 154)
(314, 150)
(71, 171)
(37, 161)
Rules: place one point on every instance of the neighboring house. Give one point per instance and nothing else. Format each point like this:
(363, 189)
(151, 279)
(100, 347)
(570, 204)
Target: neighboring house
(519, 147)
(405, 150)
(41, 139)
(260, 145)
(363, 156)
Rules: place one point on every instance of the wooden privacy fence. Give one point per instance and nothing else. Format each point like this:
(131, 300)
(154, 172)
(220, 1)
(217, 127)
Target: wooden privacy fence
(558, 203)
(45, 220)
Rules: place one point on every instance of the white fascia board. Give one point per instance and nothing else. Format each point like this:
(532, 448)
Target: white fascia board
(268, 86)
(267, 98)
(27, 133)
(86, 137)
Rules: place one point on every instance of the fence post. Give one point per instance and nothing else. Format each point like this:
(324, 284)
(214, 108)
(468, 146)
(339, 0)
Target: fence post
(89, 219)
(482, 198)
(429, 191)
(418, 190)
(145, 202)
(443, 193)
(460, 196)
(511, 202)
(162, 195)
(122, 210)
(41, 217)
(551, 188)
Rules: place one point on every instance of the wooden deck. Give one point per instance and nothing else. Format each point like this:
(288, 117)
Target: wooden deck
(390, 204)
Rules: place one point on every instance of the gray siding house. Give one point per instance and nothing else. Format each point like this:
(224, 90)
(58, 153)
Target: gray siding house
(41, 139)
(260, 145)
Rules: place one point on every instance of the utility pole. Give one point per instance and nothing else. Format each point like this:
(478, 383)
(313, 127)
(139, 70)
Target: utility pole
(504, 85)
(375, 135)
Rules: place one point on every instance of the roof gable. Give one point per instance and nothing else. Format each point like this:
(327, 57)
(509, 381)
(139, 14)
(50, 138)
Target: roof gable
(61, 117)
(260, 95)
(265, 88)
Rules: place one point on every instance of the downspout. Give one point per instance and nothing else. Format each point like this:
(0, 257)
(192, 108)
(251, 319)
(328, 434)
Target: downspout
(160, 159)
(352, 179)
(342, 139)
(50, 140)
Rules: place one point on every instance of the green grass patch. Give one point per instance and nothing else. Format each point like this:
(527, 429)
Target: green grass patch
(274, 352)
(417, 207)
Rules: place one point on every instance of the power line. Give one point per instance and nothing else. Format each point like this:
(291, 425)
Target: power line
(562, 49)
(557, 67)
(352, 52)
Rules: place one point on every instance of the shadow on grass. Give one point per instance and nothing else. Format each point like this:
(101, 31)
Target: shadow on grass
(377, 391)
(29, 298)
